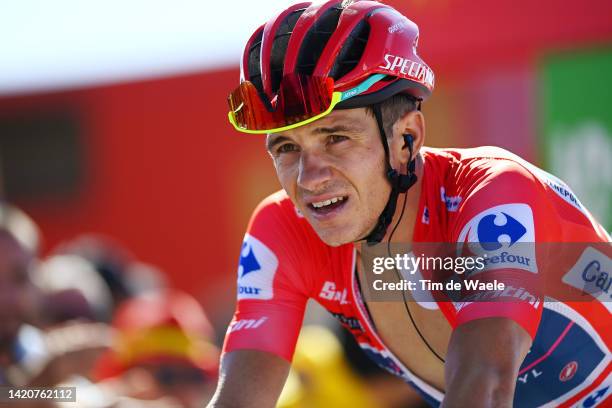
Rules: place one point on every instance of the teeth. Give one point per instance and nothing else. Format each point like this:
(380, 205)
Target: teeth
(327, 202)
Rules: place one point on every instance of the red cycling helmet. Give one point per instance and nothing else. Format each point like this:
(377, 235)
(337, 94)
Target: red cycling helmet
(311, 58)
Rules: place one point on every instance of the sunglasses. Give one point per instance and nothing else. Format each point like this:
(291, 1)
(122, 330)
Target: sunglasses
(301, 99)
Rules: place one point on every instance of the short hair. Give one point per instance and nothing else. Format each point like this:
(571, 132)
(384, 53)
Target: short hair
(20, 226)
(393, 109)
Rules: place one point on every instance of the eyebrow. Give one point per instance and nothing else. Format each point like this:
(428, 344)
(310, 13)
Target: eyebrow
(274, 140)
(339, 128)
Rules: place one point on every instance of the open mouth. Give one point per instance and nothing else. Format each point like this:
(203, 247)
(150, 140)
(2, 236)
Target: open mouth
(327, 206)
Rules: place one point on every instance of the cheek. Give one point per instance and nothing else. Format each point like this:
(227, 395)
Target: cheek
(286, 174)
(378, 190)
(373, 164)
(370, 173)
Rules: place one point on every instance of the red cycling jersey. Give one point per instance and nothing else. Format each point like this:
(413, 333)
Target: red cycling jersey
(467, 195)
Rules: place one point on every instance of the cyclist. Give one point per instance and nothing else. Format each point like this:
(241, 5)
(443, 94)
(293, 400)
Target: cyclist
(337, 88)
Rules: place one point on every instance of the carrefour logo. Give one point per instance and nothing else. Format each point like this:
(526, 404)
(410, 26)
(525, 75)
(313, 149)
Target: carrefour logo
(248, 261)
(493, 227)
(495, 234)
(256, 270)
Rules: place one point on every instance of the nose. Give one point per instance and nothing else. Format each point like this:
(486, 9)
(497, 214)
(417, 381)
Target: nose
(314, 171)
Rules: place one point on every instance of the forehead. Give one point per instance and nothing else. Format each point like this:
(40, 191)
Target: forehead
(342, 120)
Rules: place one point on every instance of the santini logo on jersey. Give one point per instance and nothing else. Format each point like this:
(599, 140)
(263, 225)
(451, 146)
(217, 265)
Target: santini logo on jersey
(246, 324)
(256, 270)
(496, 233)
(509, 292)
(404, 66)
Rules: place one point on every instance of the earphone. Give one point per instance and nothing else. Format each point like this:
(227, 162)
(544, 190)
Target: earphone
(402, 182)
(408, 141)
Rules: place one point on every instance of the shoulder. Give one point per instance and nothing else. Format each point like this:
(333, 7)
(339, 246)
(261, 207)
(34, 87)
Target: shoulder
(487, 187)
(478, 161)
(467, 171)
(471, 180)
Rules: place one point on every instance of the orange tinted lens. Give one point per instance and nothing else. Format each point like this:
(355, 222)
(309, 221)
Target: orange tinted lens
(248, 108)
(299, 98)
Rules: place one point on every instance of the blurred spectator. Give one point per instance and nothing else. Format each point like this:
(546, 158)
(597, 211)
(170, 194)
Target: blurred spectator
(74, 290)
(16, 223)
(21, 345)
(332, 372)
(28, 355)
(123, 274)
(162, 348)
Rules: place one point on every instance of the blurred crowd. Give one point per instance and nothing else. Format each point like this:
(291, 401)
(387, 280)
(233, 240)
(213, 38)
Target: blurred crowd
(90, 315)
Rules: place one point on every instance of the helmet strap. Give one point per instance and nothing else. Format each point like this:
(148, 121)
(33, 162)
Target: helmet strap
(400, 183)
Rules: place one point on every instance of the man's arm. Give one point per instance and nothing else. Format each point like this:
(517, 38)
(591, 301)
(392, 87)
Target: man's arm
(483, 361)
(250, 378)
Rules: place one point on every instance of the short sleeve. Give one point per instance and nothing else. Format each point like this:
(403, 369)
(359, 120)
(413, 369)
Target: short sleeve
(271, 296)
(500, 221)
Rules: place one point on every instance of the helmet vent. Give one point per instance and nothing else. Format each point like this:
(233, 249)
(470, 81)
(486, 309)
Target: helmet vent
(316, 39)
(254, 57)
(351, 51)
(279, 47)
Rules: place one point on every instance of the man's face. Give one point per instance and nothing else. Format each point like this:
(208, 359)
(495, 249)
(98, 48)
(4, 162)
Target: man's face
(333, 171)
(16, 290)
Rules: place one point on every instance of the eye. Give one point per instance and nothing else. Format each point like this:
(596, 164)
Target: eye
(286, 148)
(333, 139)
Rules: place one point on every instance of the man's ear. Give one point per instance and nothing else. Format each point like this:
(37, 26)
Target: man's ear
(412, 123)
